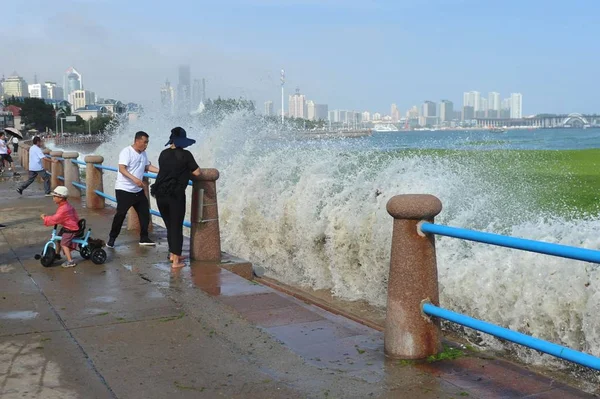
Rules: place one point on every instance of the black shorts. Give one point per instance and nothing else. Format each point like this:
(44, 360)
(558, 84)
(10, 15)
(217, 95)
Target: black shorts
(7, 157)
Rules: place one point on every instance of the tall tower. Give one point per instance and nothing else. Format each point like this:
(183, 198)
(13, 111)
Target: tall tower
(184, 90)
(72, 81)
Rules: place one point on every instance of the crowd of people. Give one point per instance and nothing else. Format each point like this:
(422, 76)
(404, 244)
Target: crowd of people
(176, 166)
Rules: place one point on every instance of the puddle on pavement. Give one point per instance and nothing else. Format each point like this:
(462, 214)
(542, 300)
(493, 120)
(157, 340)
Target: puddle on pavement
(104, 299)
(19, 315)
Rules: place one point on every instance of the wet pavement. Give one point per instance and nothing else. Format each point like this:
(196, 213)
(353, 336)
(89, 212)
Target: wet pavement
(133, 328)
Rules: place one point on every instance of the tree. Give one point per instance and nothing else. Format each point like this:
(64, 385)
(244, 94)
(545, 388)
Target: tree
(35, 113)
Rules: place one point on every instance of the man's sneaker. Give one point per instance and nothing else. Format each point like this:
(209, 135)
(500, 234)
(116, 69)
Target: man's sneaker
(20, 191)
(147, 242)
(69, 264)
(48, 195)
(10, 169)
(111, 243)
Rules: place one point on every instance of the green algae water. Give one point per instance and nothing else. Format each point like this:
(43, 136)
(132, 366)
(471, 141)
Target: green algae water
(313, 213)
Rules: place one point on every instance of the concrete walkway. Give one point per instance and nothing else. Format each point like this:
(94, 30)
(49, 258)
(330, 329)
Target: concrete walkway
(132, 328)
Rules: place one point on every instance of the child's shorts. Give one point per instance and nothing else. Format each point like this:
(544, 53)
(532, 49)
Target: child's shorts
(67, 240)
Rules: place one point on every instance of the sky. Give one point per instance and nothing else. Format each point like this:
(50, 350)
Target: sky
(356, 55)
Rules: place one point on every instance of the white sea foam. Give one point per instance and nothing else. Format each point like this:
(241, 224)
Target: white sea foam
(313, 214)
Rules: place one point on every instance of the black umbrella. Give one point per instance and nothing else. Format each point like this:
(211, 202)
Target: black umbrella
(13, 132)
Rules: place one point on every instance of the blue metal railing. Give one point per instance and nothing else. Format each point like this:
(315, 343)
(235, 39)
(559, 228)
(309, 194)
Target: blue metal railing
(61, 178)
(547, 248)
(110, 197)
(564, 251)
(79, 185)
(513, 336)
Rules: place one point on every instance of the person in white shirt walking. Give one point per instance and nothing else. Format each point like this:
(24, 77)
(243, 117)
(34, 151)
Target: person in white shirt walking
(15, 143)
(129, 188)
(36, 156)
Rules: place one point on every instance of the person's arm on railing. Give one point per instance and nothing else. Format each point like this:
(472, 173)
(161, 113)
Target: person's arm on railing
(196, 172)
(151, 168)
(123, 170)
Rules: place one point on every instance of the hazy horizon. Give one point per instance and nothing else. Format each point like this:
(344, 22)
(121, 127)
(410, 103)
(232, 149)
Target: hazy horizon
(361, 55)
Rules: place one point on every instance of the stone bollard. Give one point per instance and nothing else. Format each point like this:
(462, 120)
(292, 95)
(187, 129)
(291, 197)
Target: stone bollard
(25, 157)
(71, 173)
(46, 161)
(205, 239)
(409, 333)
(22, 149)
(133, 221)
(56, 167)
(93, 181)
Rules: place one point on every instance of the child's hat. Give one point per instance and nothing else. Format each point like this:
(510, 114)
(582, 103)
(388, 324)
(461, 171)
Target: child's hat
(61, 191)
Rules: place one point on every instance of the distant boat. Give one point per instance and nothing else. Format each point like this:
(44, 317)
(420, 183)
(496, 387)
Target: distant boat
(497, 130)
(388, 127)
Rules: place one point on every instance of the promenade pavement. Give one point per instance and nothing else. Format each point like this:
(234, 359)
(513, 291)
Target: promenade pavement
(133, 328)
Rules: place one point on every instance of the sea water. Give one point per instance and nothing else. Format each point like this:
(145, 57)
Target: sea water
(312, 213)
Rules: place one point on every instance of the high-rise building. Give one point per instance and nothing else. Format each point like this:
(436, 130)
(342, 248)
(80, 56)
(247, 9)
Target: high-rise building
(413, 113)
(472, 99)
(429, 109)
(468, 113)
(493, 104)
(516, 106)
(297, 105)
(55, 92)
(376, 116)
(167, 97)
(81, 98)
(38, 90)
(366, 116)
(395, 113)
(184, 90)
(72, 80)
(505, 108)
(15, 86)
(483, 106)
(269, 108)
(316, 112)
(446, 111)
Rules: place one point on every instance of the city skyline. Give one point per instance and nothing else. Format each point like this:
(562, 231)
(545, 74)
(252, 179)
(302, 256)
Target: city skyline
(351, 54)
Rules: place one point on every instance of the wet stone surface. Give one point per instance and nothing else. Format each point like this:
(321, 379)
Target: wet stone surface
(135, 328)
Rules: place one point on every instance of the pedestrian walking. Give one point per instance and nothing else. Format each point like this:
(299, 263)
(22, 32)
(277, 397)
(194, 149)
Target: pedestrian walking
(36, 167)
(129, 188)
(15, 143)
(176, 166)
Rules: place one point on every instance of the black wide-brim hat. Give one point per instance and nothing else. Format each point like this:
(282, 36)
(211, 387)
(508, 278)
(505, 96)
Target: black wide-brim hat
(179, 138)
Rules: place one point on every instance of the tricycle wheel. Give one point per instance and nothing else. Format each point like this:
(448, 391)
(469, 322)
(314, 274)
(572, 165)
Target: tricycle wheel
(48, 258)
(85, 252)
(98, 256)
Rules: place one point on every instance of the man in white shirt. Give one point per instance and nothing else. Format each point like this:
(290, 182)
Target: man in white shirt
(36, 167)
(129, 188)
(15, 143)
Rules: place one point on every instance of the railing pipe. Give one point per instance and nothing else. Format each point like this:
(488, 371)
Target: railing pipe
(535, 343)
(412, 280)
(205, 238)
(93, 182)
(57, 169)
(71, 173)
(563, 251)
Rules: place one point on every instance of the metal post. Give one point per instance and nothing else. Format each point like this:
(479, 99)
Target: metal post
(93, 182)
(409, 334)
(71, 173)
(57, 169)
(205, 238)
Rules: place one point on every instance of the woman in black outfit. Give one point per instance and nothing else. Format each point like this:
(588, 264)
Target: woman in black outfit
(176, 166)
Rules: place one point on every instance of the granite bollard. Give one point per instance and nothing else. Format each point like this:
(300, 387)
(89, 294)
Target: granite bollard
(133, 221)
(413, 279)
(56, 167)
(205, 239)
(93, 182)
(71, 173)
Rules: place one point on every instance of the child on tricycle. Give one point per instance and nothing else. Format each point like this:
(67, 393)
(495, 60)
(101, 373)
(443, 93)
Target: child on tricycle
(67, 217)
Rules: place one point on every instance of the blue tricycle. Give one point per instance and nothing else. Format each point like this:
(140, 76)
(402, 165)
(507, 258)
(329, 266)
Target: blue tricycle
(88, 248)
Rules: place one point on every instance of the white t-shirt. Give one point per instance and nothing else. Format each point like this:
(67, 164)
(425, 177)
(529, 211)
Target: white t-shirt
(35, 158)
(136, 165)
(15, 140)
(3, 149)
